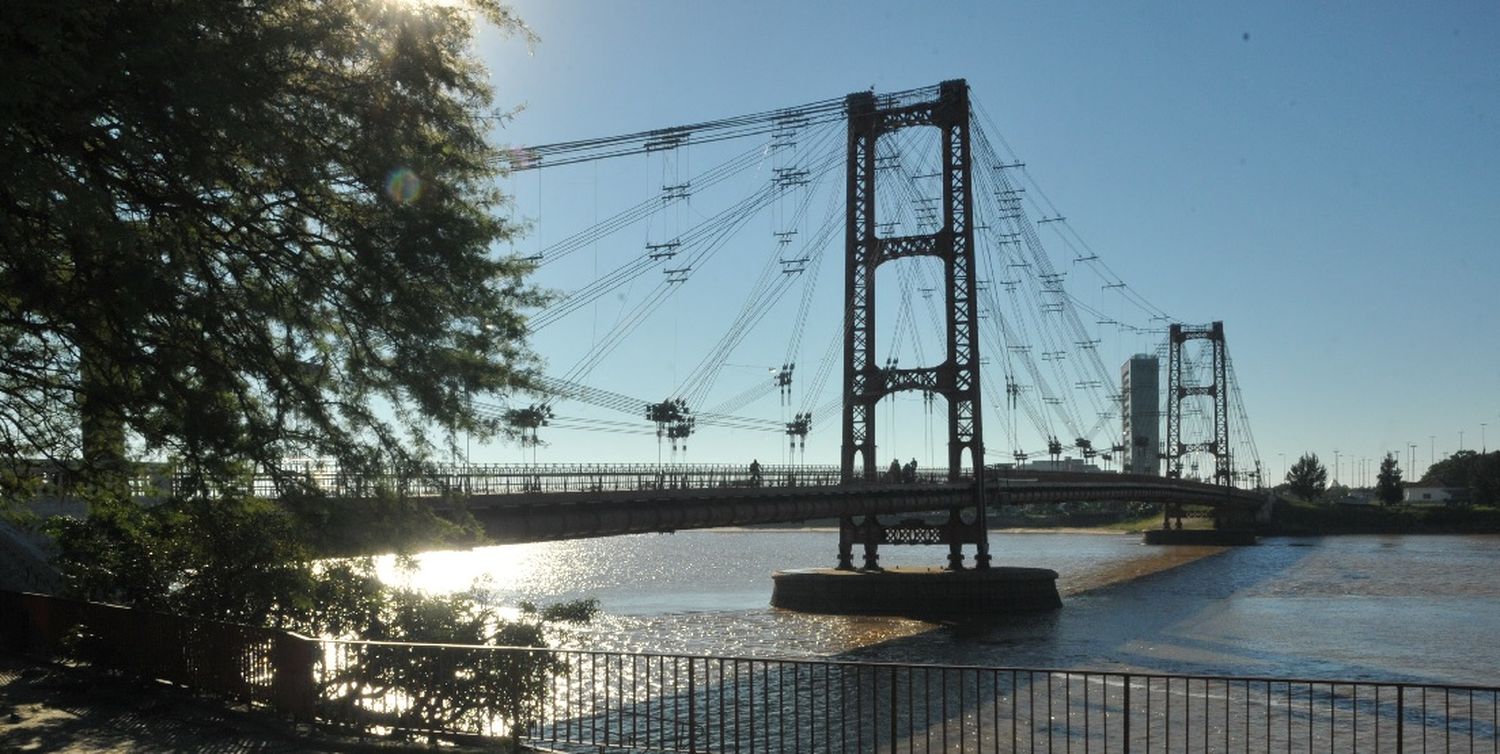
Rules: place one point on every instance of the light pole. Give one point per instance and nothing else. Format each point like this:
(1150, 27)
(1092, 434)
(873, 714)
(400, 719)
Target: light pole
(1412, 451)
(1335, 467)
(1431, 451)
(1283, 466)
(1483, 445)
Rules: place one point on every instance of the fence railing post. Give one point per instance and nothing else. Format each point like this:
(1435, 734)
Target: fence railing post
(1125, 712)
(895, 729)
(692, 710)
(1401, 719)
(295, 691)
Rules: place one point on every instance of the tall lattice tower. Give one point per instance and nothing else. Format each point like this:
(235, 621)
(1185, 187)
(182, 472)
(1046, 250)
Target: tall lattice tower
(957, 377)
(1218, 390)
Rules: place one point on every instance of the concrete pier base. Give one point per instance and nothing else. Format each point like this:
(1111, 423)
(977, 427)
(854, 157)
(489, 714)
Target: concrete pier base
(1221, 537)
(917, 592)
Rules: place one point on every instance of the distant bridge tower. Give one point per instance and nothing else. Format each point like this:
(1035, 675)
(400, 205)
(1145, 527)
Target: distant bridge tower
(1218, 390)
(957, 377)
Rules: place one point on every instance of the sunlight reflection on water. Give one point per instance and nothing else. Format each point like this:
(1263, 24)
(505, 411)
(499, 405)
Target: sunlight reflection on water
(1403, 607)
(709, 591)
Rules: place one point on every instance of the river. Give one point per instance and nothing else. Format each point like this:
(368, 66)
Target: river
(1410, 608)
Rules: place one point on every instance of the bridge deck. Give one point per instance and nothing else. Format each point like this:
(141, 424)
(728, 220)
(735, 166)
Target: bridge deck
(528, 511)
(518, 503)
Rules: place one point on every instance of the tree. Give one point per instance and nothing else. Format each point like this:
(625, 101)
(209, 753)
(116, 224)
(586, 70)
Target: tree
(1307, 478)
(1388, 482)
(1454, 471)
(244, 560)
(234, 232)
(1479, 473)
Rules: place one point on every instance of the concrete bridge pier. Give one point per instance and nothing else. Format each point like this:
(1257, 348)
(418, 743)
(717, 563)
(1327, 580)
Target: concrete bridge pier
(932, 593)
(951, 593)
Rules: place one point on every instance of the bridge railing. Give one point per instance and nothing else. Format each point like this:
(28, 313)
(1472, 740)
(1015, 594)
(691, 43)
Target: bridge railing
(155, 480)
(502, 479)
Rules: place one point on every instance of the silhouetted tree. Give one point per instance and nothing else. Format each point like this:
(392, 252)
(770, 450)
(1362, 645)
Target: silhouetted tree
(1307, 478)
(1388, 482)
(1479, 473)
(1453, 471)
(233, 231)
(244, 560)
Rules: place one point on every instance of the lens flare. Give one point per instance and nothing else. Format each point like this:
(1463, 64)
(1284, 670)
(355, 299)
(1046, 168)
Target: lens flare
(403, 186)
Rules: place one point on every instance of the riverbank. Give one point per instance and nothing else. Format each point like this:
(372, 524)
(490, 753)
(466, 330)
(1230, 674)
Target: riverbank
(1303, 519)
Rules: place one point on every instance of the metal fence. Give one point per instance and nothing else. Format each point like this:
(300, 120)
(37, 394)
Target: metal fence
(572, 700)
(593, 701)
(245, 663)
(503, 479)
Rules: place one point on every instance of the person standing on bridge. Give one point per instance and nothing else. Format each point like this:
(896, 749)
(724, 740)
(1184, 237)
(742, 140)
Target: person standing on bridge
(909, 473)
(755, 472)
(894, 475)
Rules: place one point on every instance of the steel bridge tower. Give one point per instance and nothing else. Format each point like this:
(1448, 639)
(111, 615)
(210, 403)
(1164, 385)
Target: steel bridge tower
(1218, 390)
(957, 377)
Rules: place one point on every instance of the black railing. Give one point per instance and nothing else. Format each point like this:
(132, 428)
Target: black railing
(243, 663)
(507, 479)
(605, 701)
(673, 703)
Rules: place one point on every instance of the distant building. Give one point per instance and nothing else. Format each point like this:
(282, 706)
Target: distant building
(1140, 415)
(1434, 495)
(1062, 464)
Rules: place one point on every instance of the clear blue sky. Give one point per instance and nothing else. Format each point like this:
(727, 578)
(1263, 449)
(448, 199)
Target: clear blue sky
(1323, 177)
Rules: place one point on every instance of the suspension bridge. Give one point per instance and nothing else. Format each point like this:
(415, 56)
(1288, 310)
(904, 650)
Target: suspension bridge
(644, 337)
(979, 316)
(682, 316)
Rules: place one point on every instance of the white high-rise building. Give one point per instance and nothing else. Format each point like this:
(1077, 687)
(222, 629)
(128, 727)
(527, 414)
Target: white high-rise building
(1140, 414)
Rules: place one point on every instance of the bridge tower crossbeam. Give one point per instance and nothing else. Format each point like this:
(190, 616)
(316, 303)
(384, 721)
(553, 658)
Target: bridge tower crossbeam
(957, 377)
(1177, 391)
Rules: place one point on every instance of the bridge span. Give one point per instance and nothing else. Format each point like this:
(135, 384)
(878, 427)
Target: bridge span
(541, 503)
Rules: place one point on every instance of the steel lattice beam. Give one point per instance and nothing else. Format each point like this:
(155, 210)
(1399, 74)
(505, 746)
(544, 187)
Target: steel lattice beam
(1177, 391)
(957, 378)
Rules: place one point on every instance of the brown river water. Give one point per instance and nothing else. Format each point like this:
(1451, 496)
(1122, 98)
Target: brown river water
(1412, 608)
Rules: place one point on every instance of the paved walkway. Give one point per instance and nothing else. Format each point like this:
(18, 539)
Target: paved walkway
(60, 709)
